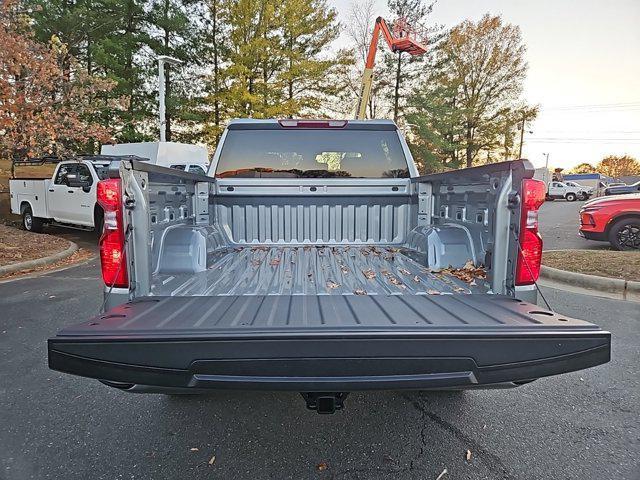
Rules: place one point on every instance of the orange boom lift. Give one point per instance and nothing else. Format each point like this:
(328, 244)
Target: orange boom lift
(402, 39)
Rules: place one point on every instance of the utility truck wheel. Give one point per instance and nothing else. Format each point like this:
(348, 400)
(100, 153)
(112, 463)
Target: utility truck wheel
(29, 222)
(571, 197)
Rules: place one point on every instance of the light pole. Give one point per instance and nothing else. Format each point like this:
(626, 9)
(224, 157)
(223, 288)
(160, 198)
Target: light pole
(162, 59)
(546, 162)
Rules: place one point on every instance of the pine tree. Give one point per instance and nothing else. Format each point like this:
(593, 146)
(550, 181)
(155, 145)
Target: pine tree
(308, 26)
(175, 30)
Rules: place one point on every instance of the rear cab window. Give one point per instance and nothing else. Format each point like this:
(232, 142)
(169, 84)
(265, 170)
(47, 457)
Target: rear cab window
(312, 153)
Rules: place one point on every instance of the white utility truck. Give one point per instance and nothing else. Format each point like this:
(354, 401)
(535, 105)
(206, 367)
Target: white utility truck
(558, 190)
(68, 198)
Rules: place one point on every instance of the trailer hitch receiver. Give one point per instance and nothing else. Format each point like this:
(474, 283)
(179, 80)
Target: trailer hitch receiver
(324, 402)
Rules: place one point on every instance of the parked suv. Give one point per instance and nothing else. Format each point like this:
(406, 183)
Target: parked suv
(612, 219)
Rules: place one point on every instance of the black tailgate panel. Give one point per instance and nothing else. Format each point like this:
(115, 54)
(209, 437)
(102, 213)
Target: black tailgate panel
(327, 342)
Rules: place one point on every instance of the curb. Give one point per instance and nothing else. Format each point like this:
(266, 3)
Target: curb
(39, 262)
(629, 290)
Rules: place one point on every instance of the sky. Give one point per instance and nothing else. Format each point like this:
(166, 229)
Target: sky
(584, 72)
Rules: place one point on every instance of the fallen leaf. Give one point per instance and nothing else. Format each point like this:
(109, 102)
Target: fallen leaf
(275, 262)
(416, 279)
(359, 291)
(369, 273)
(469, 265)
(468, 455)
(344, 269)
(396, 282)
(331, 284)
(212, 460)
(194, 449)
(404, 271)
(433, 292)
(321, 467)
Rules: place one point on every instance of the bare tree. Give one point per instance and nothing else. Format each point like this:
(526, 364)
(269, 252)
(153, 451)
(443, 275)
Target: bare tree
(359, 29)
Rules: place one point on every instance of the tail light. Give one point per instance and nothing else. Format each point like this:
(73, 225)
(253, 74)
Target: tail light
(112, 249)
(530, 252)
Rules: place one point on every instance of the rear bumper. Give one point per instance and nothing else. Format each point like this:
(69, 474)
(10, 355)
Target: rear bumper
(440, 361)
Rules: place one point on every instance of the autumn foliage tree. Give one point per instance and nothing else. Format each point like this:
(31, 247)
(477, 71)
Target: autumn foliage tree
(46, 105)
(469, 104)
(618, 166)
(583, 168)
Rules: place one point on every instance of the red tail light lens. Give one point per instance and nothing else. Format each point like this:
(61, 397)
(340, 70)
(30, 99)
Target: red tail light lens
(313, 123)
(112, 253)
(530, 253)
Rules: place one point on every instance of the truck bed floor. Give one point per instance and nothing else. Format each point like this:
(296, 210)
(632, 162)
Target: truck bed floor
(314, 270)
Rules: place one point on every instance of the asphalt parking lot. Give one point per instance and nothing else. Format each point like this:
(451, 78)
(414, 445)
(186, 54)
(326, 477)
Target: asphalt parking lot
(576, 426)
(559, 223)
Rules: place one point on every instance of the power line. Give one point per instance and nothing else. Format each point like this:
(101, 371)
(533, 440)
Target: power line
(597, 106)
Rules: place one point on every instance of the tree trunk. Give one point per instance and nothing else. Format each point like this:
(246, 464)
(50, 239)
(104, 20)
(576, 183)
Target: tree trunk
(469, 148)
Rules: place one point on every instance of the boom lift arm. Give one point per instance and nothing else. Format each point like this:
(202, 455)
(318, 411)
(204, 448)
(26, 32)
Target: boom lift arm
(402, 39)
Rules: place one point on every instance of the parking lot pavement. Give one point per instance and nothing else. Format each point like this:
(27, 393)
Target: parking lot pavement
(559, 224)
(580, 425)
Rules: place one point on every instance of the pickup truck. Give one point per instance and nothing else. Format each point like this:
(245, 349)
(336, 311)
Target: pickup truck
(68, 198)
(560, 190)
(315, 259)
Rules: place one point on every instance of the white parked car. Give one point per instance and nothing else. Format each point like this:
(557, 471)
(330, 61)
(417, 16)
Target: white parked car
(68, 198)
(558, 190)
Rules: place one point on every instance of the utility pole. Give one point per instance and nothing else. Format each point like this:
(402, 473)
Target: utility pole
(521, 126)
(162, 59)
(521, 136)
(546, 162)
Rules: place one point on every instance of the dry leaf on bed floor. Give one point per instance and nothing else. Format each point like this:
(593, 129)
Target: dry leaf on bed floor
(369, 273)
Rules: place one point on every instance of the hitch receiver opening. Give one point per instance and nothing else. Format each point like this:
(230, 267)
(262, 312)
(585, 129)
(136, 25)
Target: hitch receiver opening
(324, 402)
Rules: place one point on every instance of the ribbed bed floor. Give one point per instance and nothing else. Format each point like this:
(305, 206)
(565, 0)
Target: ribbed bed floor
(314, 270)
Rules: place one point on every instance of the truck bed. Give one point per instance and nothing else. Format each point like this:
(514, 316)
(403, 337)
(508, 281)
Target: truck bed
(316, 270)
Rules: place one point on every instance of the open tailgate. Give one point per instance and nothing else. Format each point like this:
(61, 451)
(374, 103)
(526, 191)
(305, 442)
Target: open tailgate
(327, 343)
